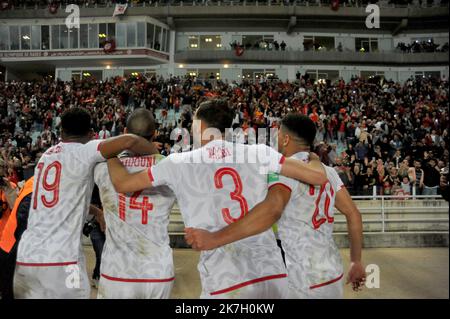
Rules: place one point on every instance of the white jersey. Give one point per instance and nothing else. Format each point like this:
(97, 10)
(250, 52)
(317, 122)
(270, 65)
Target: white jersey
(137, 241)
(216, 185)
(63, 184)
(306, 230)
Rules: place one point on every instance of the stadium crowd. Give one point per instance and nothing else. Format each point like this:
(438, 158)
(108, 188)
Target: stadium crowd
(21, 3)
(422, 46)
(376, 133)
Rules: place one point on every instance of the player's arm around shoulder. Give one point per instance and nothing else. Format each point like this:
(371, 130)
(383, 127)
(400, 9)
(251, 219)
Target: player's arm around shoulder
(311, 173)
(126, 182)
(113, 146)
(260, 218)
(163, 173)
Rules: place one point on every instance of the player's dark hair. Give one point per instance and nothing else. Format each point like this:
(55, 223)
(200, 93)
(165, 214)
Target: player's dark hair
(76, 122)
(216, 113)
(300, 125)
(141, 122)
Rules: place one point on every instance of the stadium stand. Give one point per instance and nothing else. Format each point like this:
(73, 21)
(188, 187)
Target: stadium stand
(379, 97)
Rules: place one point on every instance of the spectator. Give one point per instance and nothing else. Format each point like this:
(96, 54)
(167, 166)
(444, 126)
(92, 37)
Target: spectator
(344, 173)
(396, 144)
(332, 154)
(361, 150)
(406, 186)
(370, 181)
(276, 45)
(359, 180)
(104, 133)
(431, 178)
(418, 177)
(444, 187)
(404, 170)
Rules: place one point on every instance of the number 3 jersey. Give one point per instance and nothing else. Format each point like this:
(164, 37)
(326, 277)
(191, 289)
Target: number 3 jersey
(306, 230)
(63, 184)
(137, 241)
(216, 185)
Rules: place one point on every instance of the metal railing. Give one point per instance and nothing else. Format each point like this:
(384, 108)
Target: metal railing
(384, 210)
(381, 208)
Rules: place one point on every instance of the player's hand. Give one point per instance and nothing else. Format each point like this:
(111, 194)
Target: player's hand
(199, 239)
(313, 156)
(443, 181)
(100, 218)
(158, 145)
(356, 276)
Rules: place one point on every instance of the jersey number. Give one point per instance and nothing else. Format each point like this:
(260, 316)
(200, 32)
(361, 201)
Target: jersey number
(236, 195)
(325, 194)
(145, 206)
(52, 187)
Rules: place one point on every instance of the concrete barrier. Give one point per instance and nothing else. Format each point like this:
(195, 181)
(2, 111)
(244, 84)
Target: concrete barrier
(404, 223)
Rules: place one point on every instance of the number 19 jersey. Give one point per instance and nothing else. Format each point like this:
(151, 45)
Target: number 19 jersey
(216, 185)
(62, 192)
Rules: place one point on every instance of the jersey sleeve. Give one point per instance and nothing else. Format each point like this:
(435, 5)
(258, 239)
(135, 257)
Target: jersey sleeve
(334, 179)
(274, 179)
(270, 159)
(163, 173)
(90, 152)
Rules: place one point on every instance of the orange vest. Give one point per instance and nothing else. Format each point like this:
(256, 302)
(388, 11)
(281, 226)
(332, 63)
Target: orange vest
(5, 208)
(7, 238)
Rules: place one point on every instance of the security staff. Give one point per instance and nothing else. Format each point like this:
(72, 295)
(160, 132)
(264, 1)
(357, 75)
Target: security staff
(9, 238)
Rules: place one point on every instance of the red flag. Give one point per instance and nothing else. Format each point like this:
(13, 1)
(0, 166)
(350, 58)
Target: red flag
(335, 5)
(239, 50)
(120, 9)
(5, 4)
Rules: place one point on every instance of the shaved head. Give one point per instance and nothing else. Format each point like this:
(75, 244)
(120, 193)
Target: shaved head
(142, 123)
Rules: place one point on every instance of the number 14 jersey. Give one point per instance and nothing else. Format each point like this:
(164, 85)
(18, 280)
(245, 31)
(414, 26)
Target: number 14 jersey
(137, 240)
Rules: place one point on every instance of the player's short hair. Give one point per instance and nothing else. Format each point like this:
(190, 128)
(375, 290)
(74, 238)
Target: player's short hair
(76, 122)
(141, 122)
(216, 113)
(301, 126)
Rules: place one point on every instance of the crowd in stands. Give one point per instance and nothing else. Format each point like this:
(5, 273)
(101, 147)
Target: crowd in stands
(425, 46)
(375, 132)
(21, 3)
(422, 46)
(260, 45)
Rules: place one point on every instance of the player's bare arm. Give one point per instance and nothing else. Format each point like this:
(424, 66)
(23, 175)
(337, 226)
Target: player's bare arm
(344, 203)
(114, 146)
(125, 182)
(259, 219)
(99, 216)
(312, 173)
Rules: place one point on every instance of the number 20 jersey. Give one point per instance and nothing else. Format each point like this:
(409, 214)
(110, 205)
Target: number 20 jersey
(306, 230)
(63, 184)
(137, 240)
(221, 187)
